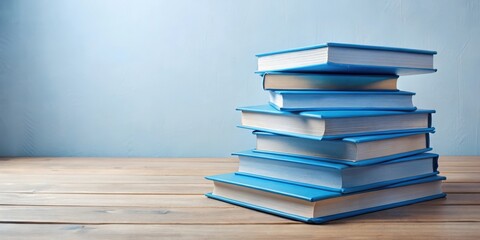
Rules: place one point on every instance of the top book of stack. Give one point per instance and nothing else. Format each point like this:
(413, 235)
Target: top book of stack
(348, 58)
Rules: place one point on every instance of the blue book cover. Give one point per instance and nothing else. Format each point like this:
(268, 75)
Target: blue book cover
(342, 100)
(351, 77)
(327, 62)
(360, 139)
(328, 82)
(350, 45)
(310, 164)
(268, 109)
(309, 194)
(330, 114)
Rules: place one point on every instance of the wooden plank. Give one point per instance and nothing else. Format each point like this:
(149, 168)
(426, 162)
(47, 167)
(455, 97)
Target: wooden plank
(59, 177)
(106, 188)
(100, 162)
(422, 213)
(167, 166)
(458, 164)
(459, 158)
(156, 188)
(451, 187)
(111, 200)
(139, 163)
(465, 161)
(455, 175)
(456, 199)
(159, 167)
(146, 186)
(442, 158)
(179, 170)
(464, 177)
(134, 215)
(125, 171)
(114, 165)
(100, 178)
(209, 215)
(95, 160)
(93, 166)
(162, 201)
(464, 231)
(452, 176)
(461, 168)
(135, 162)
(268, 231)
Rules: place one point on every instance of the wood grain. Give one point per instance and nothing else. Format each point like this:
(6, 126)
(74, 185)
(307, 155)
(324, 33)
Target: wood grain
(442, 230)
(154, 198)
(234, 215)
(157, 200)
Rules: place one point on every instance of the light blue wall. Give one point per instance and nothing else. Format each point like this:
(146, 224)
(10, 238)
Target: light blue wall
(163, 78)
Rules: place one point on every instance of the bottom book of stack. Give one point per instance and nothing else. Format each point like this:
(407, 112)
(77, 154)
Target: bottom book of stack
(316, 205)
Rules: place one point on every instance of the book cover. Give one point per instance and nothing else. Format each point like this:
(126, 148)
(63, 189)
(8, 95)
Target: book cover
(310, 195)
(328, 82)
(357, 140)
(348, 58)
(341, 114)
(342, 100)
(311, 164)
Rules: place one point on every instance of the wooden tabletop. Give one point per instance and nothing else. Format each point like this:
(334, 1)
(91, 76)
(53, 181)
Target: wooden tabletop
(162, 198)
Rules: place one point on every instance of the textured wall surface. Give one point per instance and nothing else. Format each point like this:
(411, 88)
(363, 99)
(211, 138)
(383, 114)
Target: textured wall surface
(163, 78)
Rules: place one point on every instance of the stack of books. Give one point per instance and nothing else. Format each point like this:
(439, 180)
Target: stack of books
(338, 138)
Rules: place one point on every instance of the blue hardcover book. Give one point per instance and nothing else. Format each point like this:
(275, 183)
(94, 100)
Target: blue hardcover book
(328, 82)
(334, 124)
(336, 176)
(348, 58)
(355, 151)
(314, 205)
(342, 100)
